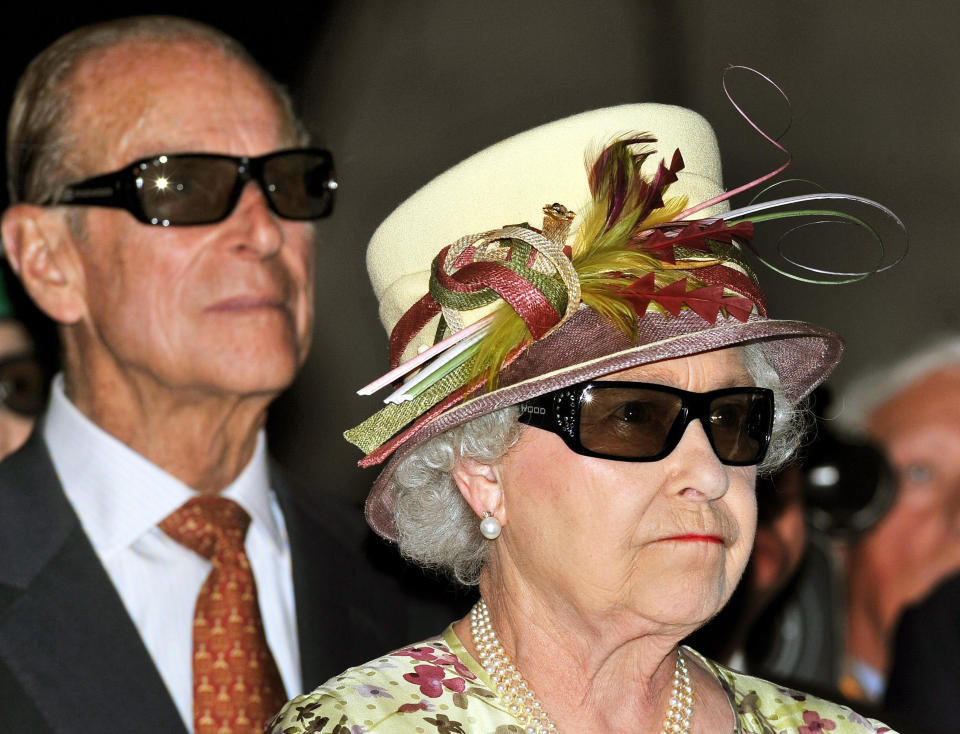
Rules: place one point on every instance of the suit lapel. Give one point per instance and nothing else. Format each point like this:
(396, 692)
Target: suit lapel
(64, 632)
(339, 597)
(352, 604)
(311, 580)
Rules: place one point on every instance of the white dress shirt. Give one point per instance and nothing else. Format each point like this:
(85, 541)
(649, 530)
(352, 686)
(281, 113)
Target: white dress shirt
(120, 497)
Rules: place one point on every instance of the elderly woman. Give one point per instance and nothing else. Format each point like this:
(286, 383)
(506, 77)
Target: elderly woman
(582, 442)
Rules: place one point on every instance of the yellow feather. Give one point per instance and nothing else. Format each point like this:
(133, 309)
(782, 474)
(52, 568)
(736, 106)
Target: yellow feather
(671, 208)
(606, 260)
(507, 332)
(613, 308)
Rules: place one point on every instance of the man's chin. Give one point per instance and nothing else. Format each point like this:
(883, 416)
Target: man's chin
(254, 378)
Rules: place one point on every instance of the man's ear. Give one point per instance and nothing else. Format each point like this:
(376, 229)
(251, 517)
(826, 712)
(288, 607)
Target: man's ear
(40, 249)
(480, 486)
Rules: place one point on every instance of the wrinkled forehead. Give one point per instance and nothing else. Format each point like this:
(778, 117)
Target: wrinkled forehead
(148, 96)
(711, 370)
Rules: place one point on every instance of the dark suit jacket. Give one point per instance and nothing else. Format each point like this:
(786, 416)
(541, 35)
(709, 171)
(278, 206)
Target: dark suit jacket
(71, 659)
(925, 677)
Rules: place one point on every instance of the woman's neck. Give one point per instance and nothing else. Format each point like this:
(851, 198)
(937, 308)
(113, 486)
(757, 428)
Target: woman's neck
(594, 674)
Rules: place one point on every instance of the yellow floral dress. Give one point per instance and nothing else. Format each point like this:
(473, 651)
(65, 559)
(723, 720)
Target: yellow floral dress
(436, 687)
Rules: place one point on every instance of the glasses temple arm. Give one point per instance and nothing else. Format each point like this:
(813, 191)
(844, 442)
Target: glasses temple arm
(555, 411)
(105, 190)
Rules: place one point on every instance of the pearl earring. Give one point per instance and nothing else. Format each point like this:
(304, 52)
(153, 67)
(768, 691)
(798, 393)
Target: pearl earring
(489, 526)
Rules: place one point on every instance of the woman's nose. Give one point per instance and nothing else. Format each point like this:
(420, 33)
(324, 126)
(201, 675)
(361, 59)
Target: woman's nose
(699, 473)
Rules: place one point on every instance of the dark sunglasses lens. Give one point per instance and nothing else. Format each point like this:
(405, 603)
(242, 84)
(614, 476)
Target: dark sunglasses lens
(633, 423)
(23, 386)
(185, 189)
(300, 184)
(739, 425)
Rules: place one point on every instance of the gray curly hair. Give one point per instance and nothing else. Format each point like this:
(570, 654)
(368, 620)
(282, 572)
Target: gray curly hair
(437, 529)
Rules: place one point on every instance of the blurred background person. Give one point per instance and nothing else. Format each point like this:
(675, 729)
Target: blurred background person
(25, 368)
(912, 409)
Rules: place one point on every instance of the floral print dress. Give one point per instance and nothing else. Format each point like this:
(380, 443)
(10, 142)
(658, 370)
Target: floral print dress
(436, 687)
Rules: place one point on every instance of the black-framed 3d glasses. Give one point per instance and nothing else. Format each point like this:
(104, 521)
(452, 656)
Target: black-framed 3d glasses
(202, 188)
(638, 421)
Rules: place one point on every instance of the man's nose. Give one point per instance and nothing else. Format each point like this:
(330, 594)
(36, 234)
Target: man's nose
(259, 230)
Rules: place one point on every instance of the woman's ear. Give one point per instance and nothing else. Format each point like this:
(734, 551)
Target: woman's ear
(40, 250)
(480, 486)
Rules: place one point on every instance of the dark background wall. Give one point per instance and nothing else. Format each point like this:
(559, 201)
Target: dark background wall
(402, 90)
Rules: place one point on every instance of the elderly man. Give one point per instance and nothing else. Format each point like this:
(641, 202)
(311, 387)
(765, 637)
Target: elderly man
(156, 219)
(912, 410)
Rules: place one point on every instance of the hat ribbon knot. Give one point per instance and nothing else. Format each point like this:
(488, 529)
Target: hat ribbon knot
(515, 264)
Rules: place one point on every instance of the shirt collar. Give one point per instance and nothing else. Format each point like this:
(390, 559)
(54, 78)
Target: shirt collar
(119, 495)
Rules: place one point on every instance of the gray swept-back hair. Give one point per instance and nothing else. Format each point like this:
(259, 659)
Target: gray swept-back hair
(881, 384)
(39, 151)
(437, 529)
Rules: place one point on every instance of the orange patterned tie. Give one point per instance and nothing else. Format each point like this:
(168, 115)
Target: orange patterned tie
(236, 685)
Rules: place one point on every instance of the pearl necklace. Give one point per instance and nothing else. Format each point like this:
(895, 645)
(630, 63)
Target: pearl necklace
(680, 714)
(522, 702)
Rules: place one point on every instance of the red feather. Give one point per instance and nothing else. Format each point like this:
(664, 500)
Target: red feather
(665, 176)
(705, 301)
(614, 177)
(694, 235)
